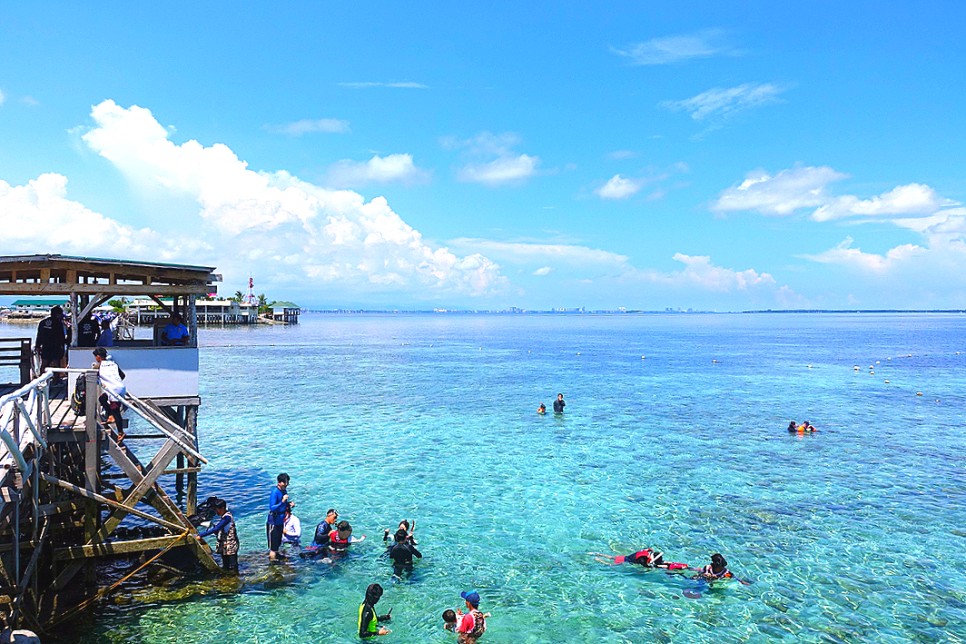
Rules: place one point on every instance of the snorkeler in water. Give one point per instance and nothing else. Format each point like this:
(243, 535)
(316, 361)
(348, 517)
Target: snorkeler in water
(717, 569)
(648, 557)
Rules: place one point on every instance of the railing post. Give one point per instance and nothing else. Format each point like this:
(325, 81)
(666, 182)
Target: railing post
(25, 361)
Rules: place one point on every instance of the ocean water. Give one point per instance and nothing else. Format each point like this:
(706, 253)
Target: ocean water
(673, 437)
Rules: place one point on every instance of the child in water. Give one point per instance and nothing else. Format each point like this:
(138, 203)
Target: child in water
(449, 620)
(542, 409)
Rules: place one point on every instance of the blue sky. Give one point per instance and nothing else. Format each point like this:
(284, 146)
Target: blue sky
(485, 155)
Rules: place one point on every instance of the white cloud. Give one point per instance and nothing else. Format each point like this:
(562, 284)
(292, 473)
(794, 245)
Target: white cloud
(724, 102)
(277, 225)
(910, 199)
(620, 155)
(845, 255)
(700, 272)
(781, 194)
(618, 187)
(392, 168)
(524, 252)
(39, 215)
(507, 167)
(543, 271)
(397, 85)
(309, 126)
(672, 49)
(500, 171)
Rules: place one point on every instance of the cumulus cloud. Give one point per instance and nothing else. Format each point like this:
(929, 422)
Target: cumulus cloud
(780, 194)
(293, 231)
(39, 213)
(396, 85)
(845, 255)
(724, 102)
(673, 49)
(507, 167)
(310, 126)
(392, 168)
(910, 199)
(618, 187)
(700, 272)
(806, 187)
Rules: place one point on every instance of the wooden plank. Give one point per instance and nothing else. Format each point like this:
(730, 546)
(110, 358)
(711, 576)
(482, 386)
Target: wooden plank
(118, 547)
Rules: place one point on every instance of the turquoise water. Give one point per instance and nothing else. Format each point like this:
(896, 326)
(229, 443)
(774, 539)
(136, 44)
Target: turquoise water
(674, 437)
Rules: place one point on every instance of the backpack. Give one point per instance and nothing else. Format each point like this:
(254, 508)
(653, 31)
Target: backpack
(78, 400)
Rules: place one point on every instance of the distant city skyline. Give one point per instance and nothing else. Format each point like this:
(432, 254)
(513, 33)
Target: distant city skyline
(416, 156)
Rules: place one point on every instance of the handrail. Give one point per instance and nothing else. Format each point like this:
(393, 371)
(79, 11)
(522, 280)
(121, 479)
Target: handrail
(151, 418)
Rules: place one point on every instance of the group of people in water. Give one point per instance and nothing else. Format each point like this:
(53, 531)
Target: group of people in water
(333, 537)
(331, 540)
(558, 406)
(804, 428)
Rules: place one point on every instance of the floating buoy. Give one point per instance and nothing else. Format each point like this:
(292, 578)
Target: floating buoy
(877, 362)
(918, 393)
(887, 382)
(578, 353)
(855, 368)
(642, 357)
(809, 366)
(713, 361)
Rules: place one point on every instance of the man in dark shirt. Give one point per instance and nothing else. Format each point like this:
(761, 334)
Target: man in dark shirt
(87, 332)
(51, 342)
(559, 404)
(401, 552)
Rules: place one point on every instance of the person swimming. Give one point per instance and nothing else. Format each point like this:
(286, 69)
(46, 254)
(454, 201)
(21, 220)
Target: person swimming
(648, 557)
(542, 409)
(792, 426)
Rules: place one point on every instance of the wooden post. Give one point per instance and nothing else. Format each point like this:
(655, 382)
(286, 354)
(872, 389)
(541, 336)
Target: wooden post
(191, 425)
(91, 467)
(74, 316)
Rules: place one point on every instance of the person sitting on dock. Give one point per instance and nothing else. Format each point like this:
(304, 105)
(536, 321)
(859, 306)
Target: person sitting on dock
(227, 536)
(292, 530)
(110, 376)
(175, 333)
(277, 504)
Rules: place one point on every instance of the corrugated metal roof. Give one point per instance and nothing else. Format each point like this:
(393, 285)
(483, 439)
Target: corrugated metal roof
(15, 259)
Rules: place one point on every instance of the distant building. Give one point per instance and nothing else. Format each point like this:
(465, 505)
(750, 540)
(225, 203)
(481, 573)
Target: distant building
(286, 312)
(207, 311)
(38, 305)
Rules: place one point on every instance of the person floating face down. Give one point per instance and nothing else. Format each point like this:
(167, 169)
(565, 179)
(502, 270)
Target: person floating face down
(368, 619)
(650, 558)
(559, 404)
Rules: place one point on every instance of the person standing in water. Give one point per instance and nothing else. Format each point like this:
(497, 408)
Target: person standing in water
(277, 504)
(559, 404)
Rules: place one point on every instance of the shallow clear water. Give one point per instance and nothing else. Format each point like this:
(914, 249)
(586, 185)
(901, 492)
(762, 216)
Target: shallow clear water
(674, 437)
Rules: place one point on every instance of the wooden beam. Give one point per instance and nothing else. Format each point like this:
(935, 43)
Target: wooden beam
(114, 504)
(44, 288)
(118, 547)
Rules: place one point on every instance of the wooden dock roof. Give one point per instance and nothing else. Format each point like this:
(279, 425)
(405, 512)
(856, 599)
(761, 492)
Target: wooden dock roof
(64, 275)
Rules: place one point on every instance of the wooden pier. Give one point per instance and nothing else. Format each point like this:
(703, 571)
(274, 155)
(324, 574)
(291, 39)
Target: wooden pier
(71, 493)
